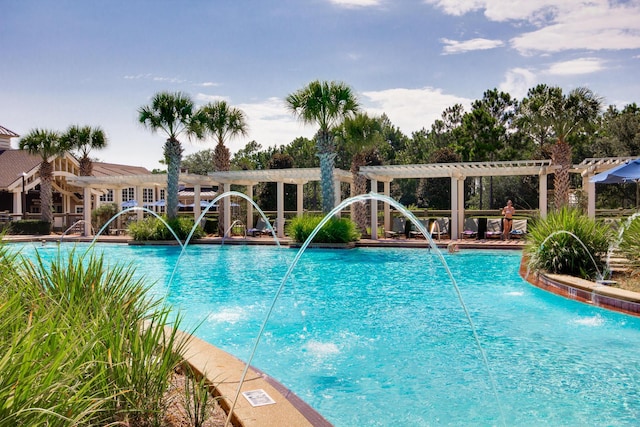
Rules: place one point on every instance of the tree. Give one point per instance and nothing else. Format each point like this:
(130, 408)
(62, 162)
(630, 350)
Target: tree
(562, 117)
(46, 144)
(360, 135)
(325, 104)
(199, 163)
(83, 140)
(173, 114)
(223, 122)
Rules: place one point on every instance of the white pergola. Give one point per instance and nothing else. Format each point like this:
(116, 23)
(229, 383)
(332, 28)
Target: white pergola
(297, 176)
(457, 172)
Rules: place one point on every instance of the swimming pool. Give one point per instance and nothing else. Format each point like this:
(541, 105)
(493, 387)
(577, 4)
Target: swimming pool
(378, 336)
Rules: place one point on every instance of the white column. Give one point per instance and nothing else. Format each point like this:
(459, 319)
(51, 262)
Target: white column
(86, 211)
(300, 199)
(374, 211)
(249, 207)
(460, 214)
(227, 210)
(387, 209)
(17, 204)
(138, 193)
(590, 188)
(543, 196)
(280, 208)
(117, 195)
(453, 227)
(337, 193)
(197, 210)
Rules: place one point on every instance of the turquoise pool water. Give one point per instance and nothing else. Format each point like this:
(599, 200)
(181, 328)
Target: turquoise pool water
(377, 337)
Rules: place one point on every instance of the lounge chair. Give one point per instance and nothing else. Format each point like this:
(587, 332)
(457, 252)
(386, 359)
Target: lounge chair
(518, 228)
(415, 233)
(494, 228)
(260, 228)
(397, 228)
(470, 228)
(440, 228)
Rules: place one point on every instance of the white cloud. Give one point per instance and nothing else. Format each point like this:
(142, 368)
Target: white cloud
(453, 46)
(412, 109)
(203, 98)
(576, 66)
(517, 82)
(356, 3)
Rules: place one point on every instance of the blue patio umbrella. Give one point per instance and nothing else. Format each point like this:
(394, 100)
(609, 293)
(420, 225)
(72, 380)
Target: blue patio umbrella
(129, 204)
(626, 172)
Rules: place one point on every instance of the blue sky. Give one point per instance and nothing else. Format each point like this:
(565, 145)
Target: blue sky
(96, 62)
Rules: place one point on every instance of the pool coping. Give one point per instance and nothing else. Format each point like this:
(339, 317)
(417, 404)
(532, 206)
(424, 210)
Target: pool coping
(585, 291)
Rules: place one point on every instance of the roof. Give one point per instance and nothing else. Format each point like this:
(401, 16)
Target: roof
(112, 169)
(6, 132)
(13, 163)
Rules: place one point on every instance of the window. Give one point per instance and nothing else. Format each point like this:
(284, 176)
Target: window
(147, 195)
(128, 194)
(79, 209)
(108, 197)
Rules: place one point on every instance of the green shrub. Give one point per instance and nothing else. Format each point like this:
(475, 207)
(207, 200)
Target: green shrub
(555, 244)
(102, 215)
(29, 226)
(629, 244)
(336, 230)
(152, 228)
(81, 344)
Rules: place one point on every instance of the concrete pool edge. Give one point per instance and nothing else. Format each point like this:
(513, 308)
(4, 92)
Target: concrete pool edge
(585, 291)
(224, 370)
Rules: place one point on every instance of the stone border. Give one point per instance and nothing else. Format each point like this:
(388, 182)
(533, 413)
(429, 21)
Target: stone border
(585, 291)
(223, 371)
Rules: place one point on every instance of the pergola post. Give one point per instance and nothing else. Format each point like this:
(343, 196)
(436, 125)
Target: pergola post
(299, 199)
(197, 209)
(543, 195)
(453, 228)
(249, 207)
(138, 193)
(590, 188)
(374, 211)
(227, 210)
(387, 209)
(86, 211)
(280, 208)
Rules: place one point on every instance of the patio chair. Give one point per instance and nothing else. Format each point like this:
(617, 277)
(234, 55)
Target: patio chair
(260, 228)
(494, 228)
(518, 228)
(397, 228)
(470, 230)
(440, 228)
(415, 233)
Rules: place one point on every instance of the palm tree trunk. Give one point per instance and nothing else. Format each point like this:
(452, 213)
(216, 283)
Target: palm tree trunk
(359, 187)
(173, 154)
(86, 166)
(561, 156)
(46, 176)
(325, 151)
(221, 163)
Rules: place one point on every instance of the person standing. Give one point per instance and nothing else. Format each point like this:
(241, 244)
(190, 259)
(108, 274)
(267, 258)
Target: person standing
(507, 219)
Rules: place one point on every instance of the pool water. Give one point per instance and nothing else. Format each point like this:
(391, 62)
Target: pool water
(378, 337)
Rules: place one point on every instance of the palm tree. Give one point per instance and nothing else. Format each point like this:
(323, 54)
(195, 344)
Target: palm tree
(83, 140)
(361, 135)
(562, 116)
(44, 143)
(325, 104)
(173, 114)
(223, 122)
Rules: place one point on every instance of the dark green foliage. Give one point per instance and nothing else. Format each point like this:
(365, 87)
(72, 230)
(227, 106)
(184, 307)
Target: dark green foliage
(336, 230)
(152, 228)
(556, 244)
(102, 215)
(29, 226)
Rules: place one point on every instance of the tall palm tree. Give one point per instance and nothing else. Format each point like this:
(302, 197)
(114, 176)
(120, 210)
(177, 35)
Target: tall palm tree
(44, 143)
(83, 139)
(562, 116)
(361, 135)
(174, 114)
(223, 122)
(326, 104)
